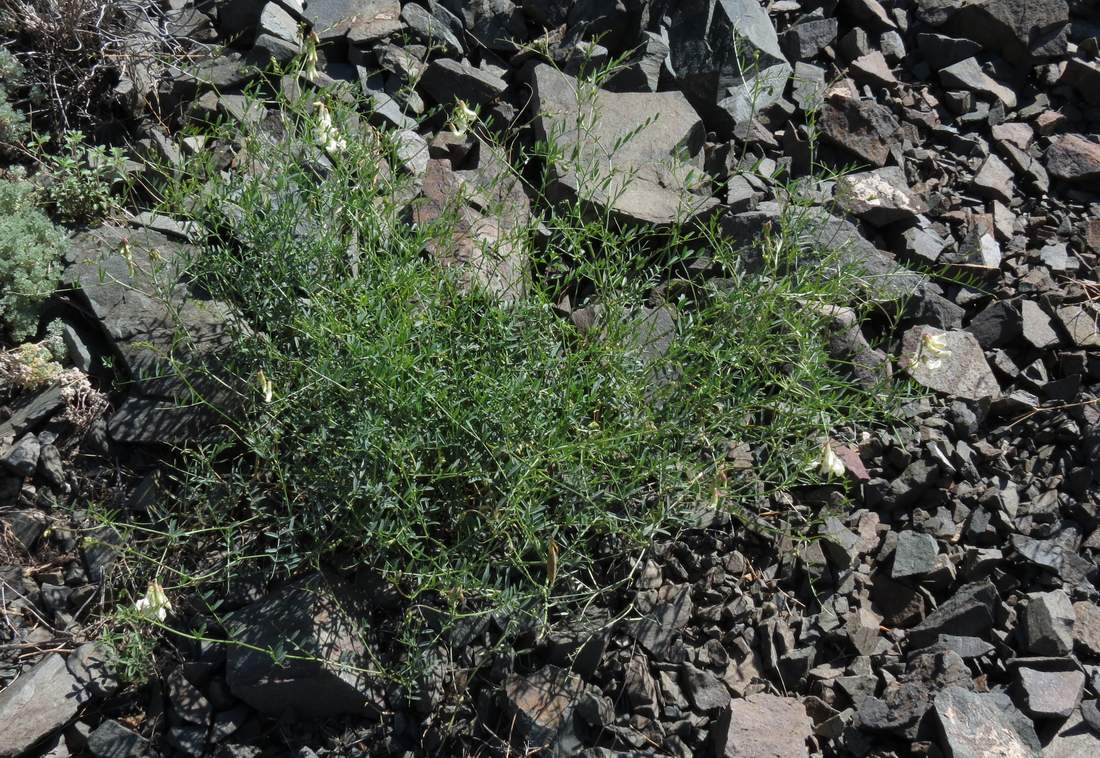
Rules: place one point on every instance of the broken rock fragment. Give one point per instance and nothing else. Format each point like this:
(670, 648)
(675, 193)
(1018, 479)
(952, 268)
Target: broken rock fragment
(708, 44)
(762, 726)
(638, 153)
(952, 363)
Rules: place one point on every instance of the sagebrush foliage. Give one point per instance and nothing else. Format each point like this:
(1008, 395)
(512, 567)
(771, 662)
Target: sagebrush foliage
(31, 247)
(14, 126)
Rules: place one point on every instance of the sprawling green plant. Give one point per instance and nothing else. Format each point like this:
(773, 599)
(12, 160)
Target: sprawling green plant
(30, 251)
(483, 453)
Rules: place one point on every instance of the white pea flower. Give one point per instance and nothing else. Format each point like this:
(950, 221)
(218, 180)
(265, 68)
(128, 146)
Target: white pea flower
(325, 133)
(462, 117)
(266, 388)
(831, 465)
(932, 350)
(309, 69)
(155, 603)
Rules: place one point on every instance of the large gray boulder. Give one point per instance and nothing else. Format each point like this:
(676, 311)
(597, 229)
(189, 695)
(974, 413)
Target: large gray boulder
(1020, 30)
(37, 704)
(318, 623)
(638, 154)
(165, 337)
(726, 57)
(362, 21)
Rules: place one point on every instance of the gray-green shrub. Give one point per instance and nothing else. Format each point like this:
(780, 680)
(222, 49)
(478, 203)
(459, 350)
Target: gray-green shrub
(31, 247)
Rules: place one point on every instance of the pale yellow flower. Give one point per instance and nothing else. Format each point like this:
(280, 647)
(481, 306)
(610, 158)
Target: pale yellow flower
(932, 350)
(266, 388)
(830, 464)
(325, 133)
(462, 117)
(155, 603)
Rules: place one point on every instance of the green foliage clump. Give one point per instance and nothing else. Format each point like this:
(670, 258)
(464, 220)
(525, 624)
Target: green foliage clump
(14, 127)
(481, 453)
(80, 179)
(31, 247)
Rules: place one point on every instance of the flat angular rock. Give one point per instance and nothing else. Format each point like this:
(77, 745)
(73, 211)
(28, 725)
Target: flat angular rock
(940, 51)
(705, 691)
(961, 370)
(1020, 30)
(922, 245)
(38, 703)
(880, 197)
(997, 325)
(1075, 159)
(447, 80)
(808, 86)
(638, 153)
(1049, 694)
(656, 630)
(22, 457)
(1086, 628)
(91, 665)
(975, 725)
(968, 75)
(914, 555)
(1082, 324)
(642, 72)
(762, 726)
(483, 251)
(1037, 325)
(120, 275)
(874, 69)
(542, 706)
(1048, 623)
(316, 618)
(862, 629)
(430, 30)
(968, 613)
(496, 24)
(112, 740)
(1074, 739)
(862, 127)
(994, 180)
(707, 62)
(803, 41)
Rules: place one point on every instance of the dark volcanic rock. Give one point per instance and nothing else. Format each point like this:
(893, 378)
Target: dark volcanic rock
(121, 277)
(1075, 159)
(997, 325)
(862, 127)
(880, 197)
(542, 705)
(969, 612)
(1018, 29)
(36, 704)
(762, 725)
(1049, 694)
(974, 725)
(362, 21)
(1048, 623)
(446, 80)
(959, 370)
(642, 156)
(316, 619)
(707, 60)
(112, 740)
